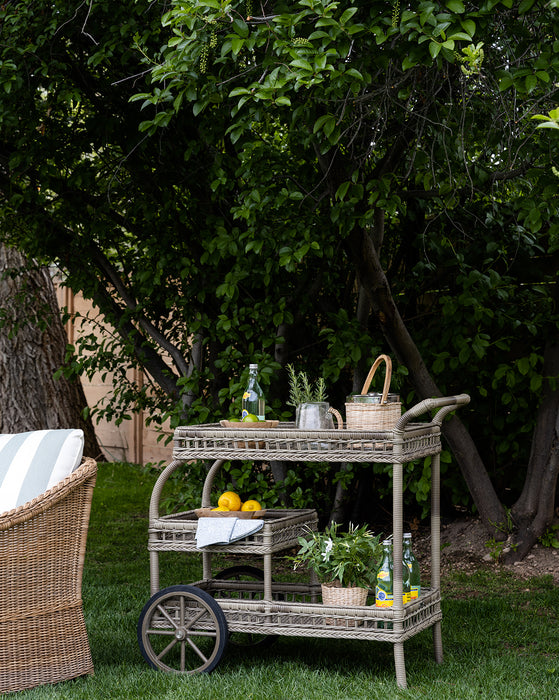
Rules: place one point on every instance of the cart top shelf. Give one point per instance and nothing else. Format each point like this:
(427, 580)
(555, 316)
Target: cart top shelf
(285, 442)
(408, 440)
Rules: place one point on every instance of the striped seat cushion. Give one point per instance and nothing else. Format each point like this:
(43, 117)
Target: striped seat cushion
(31, 463)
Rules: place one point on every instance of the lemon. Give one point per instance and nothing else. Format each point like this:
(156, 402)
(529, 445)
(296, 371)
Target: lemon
(221, 508)
(230, 500)
(251, 505)
(250, 418)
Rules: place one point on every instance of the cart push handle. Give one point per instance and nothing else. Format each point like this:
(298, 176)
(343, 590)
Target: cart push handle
(444, 404)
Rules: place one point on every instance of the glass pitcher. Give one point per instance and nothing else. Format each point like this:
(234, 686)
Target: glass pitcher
(316, 416)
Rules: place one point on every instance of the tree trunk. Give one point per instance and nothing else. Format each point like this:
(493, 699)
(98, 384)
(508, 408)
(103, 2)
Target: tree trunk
(533, 513)
(373, 279)
(32, 348)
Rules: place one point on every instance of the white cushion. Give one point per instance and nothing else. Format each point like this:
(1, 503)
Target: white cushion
(31, 463)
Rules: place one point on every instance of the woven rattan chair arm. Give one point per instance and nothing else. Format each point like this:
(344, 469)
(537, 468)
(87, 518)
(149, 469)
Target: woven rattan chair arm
(87, 470)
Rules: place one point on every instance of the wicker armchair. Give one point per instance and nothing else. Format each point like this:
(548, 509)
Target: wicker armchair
(43, 638)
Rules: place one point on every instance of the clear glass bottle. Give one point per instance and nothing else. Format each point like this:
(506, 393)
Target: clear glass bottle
(413, 566)
(406, 583)
(253, 396)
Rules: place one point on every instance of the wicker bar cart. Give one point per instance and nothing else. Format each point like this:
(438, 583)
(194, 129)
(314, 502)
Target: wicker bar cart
(184, 628)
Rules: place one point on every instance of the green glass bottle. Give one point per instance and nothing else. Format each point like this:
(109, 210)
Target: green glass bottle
(384, 591)
(253, 398)
(413, 567)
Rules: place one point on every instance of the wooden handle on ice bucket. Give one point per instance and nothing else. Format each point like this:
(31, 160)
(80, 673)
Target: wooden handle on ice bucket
(387, 378)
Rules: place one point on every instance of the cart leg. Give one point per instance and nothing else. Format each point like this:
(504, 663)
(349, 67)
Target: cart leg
(268, 577)
(438, 642)
(154, 572)
(400, 665)
(206, 565)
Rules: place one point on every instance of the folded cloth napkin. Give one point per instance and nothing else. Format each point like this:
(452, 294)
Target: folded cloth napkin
(224, 530)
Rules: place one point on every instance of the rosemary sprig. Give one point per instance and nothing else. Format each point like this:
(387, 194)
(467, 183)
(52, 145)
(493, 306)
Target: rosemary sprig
(302, 390)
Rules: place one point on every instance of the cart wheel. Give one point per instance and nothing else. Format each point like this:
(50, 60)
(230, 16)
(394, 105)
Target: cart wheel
(245, 573)
(182, 630)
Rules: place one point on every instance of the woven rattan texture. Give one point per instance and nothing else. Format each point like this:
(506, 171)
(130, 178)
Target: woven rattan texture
(337, 595)
(287, 443)
(281, 529)
(363, 416)
(297, 610)
(43, 638)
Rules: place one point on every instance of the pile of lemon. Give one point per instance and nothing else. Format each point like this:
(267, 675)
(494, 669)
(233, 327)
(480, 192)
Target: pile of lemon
(232, 501)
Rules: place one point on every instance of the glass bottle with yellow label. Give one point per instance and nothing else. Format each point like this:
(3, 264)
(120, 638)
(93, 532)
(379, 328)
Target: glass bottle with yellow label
(384, 590)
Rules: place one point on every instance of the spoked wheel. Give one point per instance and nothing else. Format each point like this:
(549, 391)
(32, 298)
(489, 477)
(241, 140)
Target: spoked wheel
(245, 573)
(182, 630)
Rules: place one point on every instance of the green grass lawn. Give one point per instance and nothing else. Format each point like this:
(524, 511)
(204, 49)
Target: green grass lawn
(500, 636)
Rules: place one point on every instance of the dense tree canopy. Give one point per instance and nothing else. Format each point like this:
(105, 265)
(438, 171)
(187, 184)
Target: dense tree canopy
(307, 182)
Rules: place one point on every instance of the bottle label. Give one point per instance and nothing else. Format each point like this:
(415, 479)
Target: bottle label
(383, 599)
(383, 591)
(414, 592)
(246, 395)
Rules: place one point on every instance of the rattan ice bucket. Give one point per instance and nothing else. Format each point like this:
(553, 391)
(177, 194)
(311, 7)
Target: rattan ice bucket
(366, 411)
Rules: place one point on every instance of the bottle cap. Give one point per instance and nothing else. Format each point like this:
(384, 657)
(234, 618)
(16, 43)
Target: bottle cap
(253, 366)
(407, 534)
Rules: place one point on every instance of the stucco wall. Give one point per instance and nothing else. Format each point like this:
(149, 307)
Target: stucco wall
(131, 441)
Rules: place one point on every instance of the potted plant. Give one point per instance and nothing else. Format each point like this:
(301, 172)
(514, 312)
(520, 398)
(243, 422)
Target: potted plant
(345, 563)
(312, 410)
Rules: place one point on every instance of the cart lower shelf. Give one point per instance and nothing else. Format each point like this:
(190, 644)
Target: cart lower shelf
(185, 628)
(295, 610)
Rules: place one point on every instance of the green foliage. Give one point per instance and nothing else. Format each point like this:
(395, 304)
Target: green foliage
(350, 557)
(496, 548)
(550, 121)
(306, 485)
(199, 174)
(550, 538)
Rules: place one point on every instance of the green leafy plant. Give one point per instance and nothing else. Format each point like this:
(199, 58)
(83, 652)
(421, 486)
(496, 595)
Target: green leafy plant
(350, 557)
(550, 537)
(495, 548)
(302, 390)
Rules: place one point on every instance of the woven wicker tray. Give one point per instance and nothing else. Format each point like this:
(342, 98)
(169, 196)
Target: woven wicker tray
(248, 425)
(243, 514)
(282, 527)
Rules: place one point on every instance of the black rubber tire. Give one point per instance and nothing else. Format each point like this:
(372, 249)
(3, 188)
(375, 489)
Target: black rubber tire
(250, 573)
(182, 629)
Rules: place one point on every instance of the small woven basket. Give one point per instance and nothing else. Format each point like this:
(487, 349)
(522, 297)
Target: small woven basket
(374, 416)
(334, 594)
